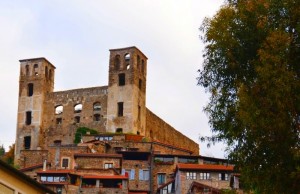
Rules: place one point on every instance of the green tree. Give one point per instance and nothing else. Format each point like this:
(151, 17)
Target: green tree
(10, 155)
(2, 151)
(252, 71)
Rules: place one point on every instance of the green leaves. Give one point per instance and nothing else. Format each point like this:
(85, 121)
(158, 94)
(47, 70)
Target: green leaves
(251, 69)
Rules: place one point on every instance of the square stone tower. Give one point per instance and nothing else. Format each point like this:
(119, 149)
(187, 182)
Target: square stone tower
(126, 108)
(36, 81)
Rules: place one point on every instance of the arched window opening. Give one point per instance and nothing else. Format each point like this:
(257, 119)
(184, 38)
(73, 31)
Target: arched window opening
(36, 69)
(77, 119)
(46, 72)
(30, 89)
(127, 57)
(143, 66)
(97, 106)
(27, 70)
(59, 110)
(78, 108)
(97, 117)
(127, 60)
(117, 62)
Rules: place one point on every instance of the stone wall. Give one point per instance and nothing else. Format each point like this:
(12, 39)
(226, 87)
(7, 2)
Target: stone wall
(159, 130)
(62, 126)
(30, 158)
(98, 162)
(60, 152)
(136, 165)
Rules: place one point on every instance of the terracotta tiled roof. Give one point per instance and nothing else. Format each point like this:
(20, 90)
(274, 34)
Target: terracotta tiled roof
(89, 176)
(204, 167)
(58, 171)
(99, 155)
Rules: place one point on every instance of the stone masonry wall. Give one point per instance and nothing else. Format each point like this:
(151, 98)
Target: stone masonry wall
(30, 158)
(66, 128)
(159, 130)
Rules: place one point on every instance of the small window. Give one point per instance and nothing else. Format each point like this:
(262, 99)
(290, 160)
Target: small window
(144, 175)
(36, 69)
(65, 163)
(204, 175)
(108, 165)
(127, 57)
(140, 84)
(30, 89)
(50, 74)
(120, 109)
(117, 62)
(223, 176)
(191, 175)
(97, 117)
(119, 130)
(58, 121)
(77, 119)
(78, 108)
(57, 142)
(161, 178)
(121, 79)
(59, 110)
(28, 118)
(97, 106)
(46, 72)
(27, 70)
(143, 66)
(27, 142)
(138, 61)
(139, 112)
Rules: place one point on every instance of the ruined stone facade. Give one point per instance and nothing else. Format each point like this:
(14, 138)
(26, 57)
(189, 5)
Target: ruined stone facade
(133, 150)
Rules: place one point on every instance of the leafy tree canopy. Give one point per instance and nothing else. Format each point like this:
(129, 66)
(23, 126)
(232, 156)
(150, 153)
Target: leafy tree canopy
(9, 156)
(252, 71)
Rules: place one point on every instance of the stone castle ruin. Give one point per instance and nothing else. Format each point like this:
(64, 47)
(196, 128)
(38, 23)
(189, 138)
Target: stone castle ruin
(47, 117)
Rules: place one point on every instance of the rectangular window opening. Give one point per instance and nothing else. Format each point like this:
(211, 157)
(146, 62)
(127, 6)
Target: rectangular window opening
(108, 165)
(28, 118)
(65, 163)
(139, 112)
(140, 84)
(121, 79)
(30, 89)
(27, 142)
(58, 121)
(120, 109)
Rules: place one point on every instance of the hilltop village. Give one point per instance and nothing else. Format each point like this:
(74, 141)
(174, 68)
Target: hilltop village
(104, 139)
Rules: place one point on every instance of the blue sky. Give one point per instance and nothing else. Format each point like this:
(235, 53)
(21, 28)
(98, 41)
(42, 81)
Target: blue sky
(75, 36)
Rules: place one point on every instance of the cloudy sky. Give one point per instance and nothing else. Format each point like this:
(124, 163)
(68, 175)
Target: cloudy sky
(75, 36)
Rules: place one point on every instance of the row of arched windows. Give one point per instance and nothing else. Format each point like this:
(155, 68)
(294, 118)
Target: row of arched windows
(35, 71)
(77, 108)
(126, 65)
